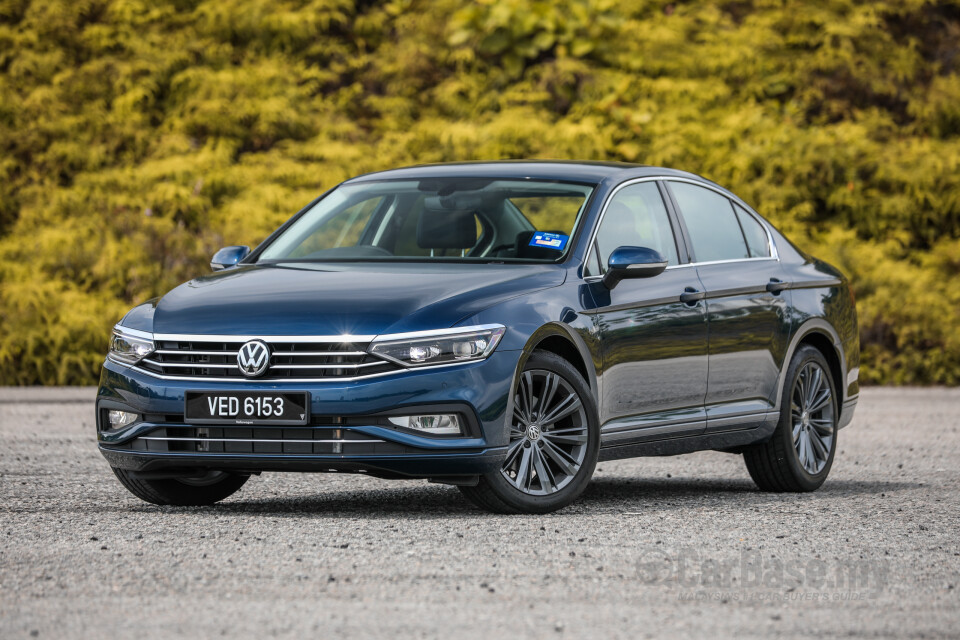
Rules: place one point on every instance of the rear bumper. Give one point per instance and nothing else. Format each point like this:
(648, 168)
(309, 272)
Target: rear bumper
(479, 391)
(846, 413)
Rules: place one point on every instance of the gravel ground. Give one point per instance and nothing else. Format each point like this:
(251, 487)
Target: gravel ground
(657, 547)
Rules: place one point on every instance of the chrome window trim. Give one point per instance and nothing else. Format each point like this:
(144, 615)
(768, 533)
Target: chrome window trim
(774, 254)
(731, 261)
(696, 264)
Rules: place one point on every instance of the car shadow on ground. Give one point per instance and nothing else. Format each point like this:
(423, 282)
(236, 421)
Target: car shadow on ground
(603, 496)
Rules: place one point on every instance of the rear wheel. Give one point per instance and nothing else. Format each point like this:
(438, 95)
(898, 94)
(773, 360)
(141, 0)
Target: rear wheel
(207, 489)
(554, 442)
(799, 455)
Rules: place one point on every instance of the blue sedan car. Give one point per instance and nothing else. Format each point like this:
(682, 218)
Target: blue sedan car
(496, 326)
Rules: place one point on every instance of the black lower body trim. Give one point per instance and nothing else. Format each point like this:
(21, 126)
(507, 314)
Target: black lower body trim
(419, 465)
(689, 444)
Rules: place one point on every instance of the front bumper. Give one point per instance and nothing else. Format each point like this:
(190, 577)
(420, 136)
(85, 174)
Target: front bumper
(480, 391)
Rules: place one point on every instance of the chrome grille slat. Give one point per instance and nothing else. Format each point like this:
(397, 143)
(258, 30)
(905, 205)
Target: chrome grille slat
(176, 352)
(193, 358)
(192, 365)
(343, 365)
(319, 353)
(222, 365)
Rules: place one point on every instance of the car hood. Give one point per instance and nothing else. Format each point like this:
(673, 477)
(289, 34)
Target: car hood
(352, 299)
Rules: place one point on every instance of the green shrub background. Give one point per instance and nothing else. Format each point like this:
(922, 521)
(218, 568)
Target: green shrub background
(138, 136)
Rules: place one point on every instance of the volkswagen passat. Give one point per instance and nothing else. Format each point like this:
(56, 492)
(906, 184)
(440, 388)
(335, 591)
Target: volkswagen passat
(500, 327)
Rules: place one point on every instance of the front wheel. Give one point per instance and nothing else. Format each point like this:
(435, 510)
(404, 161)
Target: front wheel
(206, 489)
(554, 442)
(799, 455)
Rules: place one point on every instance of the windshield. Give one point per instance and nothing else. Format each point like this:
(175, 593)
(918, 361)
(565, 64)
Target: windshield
(452, 219)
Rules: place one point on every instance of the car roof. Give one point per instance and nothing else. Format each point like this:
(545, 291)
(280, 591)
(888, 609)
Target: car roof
(560, 170)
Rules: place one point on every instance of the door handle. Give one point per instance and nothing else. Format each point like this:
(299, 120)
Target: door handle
(691, 296)
(776, 285)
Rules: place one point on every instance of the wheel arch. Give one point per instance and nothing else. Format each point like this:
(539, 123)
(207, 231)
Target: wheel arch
(821, 342)
(564, 341)
(819, 334)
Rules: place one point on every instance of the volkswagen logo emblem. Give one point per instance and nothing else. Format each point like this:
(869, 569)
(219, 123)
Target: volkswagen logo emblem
(253, 358)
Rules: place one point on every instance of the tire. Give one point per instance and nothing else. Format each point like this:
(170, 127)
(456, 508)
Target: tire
(560, 455)
(188, 492)
(779, 465)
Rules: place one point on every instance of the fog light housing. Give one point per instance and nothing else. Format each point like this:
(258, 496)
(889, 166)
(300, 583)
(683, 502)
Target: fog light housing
(445, 424)
(120, 419)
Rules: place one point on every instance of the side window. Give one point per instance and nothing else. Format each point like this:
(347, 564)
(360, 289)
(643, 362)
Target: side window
(635, 217)
(754, 232)
(714, 230)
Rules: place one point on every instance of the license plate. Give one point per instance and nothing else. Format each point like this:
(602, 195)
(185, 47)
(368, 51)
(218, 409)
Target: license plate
(246, 407)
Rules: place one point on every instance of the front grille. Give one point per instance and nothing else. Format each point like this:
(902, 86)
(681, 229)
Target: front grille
(266, 440)
(288, 360)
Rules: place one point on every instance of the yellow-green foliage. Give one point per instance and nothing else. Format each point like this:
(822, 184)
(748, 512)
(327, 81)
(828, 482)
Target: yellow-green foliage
(138, 136)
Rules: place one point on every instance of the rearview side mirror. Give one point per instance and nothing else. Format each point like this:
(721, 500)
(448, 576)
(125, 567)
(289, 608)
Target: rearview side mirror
(633, 262)
(229, 257)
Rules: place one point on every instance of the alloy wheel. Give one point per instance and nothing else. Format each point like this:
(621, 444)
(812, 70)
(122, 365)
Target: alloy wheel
(812, 417)
(548, 434)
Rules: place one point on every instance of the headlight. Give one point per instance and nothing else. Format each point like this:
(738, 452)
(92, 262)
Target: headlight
(128, 348)
(442, 347)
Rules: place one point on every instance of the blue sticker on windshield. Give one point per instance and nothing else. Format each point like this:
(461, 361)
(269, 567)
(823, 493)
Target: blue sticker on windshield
(549, 240)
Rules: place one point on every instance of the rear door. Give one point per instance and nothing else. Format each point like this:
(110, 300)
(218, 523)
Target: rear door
(653, 345)
(747, 306)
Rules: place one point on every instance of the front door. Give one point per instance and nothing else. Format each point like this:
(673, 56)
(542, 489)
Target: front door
(654, 346)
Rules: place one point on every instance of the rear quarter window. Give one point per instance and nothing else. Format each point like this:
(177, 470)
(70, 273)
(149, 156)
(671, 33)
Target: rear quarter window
(755, 234)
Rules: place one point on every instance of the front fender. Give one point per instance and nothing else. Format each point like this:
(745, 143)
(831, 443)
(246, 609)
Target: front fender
(590, 358)
(542, 315)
